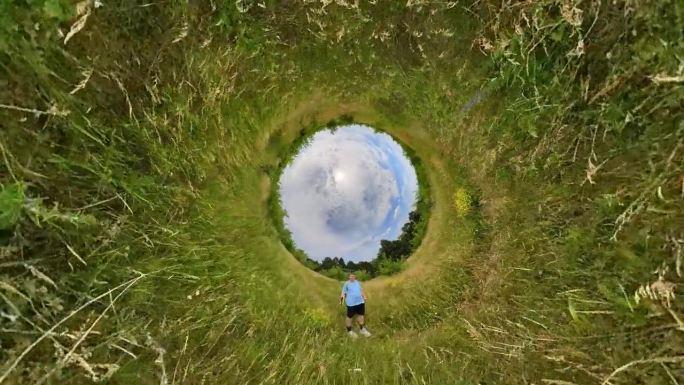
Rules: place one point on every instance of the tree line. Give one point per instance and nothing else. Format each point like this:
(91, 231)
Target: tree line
(389, 260)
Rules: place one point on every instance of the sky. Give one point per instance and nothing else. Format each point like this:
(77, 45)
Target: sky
(345, 191)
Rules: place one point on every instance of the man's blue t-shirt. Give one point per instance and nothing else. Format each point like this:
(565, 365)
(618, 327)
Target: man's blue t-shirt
(352, 291)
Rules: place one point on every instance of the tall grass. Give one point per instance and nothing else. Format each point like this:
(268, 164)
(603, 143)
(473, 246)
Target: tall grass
(136, 244)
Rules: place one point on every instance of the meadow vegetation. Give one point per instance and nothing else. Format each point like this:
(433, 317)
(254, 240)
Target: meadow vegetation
(138, 142)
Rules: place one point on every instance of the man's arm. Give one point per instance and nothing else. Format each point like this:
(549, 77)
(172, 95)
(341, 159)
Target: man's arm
(343, 294)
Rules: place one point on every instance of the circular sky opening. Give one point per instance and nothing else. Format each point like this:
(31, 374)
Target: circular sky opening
(347, 189)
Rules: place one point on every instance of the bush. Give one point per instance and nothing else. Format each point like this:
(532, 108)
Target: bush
(362, 275)
(389, 267)
(335, 273)
(462, 202)
(317, 318)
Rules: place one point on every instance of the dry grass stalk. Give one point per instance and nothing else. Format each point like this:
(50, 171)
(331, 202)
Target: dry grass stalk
(48, 332)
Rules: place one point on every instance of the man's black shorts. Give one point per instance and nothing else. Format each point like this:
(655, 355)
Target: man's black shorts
(359, 309)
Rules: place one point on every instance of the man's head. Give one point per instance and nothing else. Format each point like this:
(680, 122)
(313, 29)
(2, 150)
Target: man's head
(352, 277)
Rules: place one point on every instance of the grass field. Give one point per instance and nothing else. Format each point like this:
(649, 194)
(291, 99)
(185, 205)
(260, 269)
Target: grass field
(138, 139)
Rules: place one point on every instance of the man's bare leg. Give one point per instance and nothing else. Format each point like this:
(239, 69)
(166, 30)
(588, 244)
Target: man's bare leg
(348, 323)
(362, 325)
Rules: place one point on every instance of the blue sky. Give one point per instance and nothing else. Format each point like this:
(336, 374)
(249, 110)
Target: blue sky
(346, 191)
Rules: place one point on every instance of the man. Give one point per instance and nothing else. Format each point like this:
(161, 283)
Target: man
(353, 296)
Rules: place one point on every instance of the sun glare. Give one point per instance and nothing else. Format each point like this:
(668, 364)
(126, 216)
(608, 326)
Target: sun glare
(339, 176)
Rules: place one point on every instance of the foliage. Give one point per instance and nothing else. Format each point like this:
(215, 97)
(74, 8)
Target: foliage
(11, 205)
(138, 243)
(362, 275)
(389, 267)
(317, 318)
(335, 272)
(462, 202)
(402, 247)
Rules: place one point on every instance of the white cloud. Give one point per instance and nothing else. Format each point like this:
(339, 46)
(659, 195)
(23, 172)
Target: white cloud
(340, 191)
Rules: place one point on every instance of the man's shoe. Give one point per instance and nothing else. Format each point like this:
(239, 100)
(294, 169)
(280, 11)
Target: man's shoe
(352, 334)
(364, 332)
